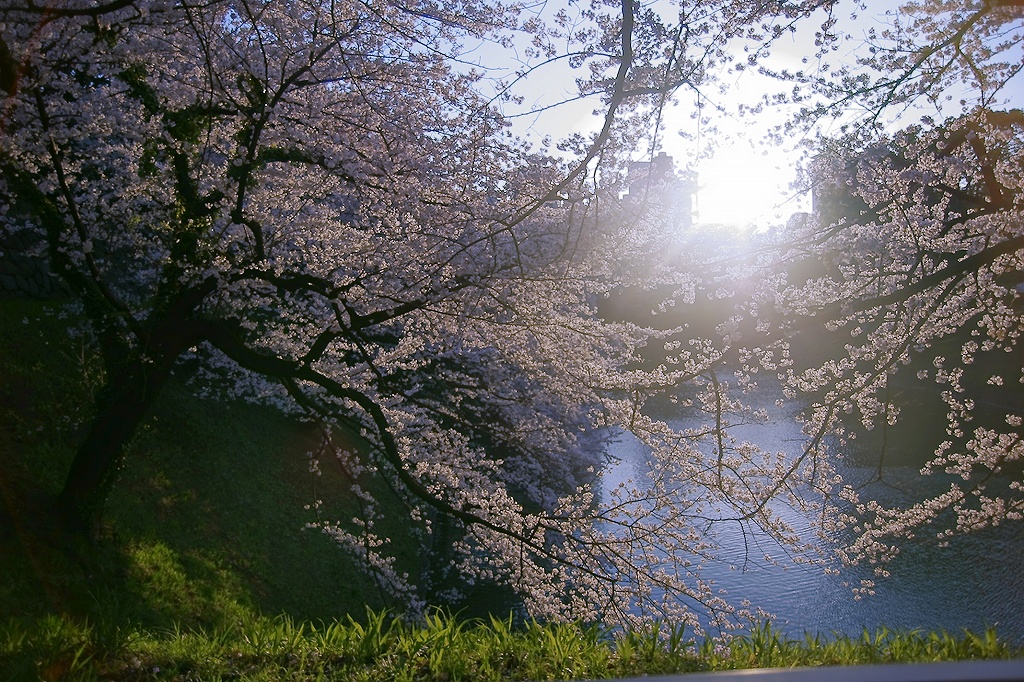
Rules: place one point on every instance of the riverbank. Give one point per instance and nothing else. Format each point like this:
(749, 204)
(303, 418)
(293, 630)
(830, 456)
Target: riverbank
(203, 544)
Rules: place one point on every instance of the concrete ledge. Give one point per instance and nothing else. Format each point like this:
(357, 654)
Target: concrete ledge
(964, 671)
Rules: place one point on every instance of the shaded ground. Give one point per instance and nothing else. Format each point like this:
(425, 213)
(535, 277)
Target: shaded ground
(206, 520)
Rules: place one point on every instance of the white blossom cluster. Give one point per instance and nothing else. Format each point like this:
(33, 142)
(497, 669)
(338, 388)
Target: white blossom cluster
(923, 279)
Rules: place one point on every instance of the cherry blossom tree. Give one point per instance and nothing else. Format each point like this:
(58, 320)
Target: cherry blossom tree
(918, 245)
(323, 205)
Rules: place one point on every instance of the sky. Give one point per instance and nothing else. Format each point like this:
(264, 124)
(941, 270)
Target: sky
(747, 184)
(744, 184)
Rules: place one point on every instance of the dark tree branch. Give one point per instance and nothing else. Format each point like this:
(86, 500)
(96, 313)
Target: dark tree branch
(52, 11)
(222, 337)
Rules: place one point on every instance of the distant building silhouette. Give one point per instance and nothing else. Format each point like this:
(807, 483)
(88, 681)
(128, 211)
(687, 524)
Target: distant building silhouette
(657, 180)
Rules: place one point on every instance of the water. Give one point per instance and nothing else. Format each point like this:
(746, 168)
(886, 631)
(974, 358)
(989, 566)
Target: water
(977, 581)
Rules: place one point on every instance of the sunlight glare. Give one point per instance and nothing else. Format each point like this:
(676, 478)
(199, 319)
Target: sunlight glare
(743, 187)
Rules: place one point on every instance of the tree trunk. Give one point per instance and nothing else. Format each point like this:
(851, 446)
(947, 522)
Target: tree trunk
(121, 406)
(130, 391)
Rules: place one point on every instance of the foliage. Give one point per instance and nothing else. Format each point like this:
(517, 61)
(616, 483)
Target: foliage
(321, 207)
(443, 648)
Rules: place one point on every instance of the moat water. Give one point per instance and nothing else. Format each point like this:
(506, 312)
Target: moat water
(975, 582)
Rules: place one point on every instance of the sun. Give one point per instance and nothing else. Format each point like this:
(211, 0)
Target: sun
(745, 173)
(747, 187)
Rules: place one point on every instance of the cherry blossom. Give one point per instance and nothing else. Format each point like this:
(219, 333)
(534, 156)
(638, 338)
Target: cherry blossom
(325, 207)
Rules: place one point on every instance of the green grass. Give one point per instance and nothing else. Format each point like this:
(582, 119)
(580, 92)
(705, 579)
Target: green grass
(202, 569)
(205, 522)
(441, 649)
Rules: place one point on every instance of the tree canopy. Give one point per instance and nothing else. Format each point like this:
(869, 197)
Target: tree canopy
(324, 205)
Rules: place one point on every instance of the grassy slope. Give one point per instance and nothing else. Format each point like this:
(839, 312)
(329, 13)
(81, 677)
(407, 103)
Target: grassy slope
(205, 521)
